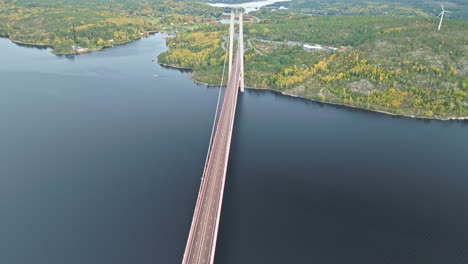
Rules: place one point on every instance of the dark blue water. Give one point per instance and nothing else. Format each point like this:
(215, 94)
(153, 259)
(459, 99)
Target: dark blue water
(101, 157)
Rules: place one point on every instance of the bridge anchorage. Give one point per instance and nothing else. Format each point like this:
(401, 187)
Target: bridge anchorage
(201, 242)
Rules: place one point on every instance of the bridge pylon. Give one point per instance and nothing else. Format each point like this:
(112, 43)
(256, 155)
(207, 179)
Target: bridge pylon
(241, 47)
(240, 16)
(231, 40)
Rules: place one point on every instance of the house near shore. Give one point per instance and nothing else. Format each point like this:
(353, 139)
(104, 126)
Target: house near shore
(79, 49)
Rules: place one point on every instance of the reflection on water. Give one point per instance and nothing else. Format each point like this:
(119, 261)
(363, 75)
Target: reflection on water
(40, 47)
(70, 57)
(26, 45)
(182, 70)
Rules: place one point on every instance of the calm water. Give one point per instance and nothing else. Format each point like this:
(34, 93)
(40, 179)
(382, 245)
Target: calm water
(101, 158)
(249, 6)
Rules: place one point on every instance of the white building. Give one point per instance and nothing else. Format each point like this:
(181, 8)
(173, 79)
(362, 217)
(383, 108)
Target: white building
(318, 47)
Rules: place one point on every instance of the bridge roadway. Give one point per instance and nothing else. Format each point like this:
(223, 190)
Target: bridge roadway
(201, 243)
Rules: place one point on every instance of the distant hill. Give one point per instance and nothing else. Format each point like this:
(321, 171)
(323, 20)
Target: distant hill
(355, 7)
(372, 7)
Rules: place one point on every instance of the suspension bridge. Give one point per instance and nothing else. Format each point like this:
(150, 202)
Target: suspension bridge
(201, 243)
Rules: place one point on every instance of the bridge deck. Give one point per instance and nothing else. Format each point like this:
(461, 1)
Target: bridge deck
(201, 243)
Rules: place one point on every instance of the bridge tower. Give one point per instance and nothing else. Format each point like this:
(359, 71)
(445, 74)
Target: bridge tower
(240, 47)
(231, 40)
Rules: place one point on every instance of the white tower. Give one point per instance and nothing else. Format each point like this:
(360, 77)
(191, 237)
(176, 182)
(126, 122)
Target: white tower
(442, 14)
(231, 40)
(241, 48)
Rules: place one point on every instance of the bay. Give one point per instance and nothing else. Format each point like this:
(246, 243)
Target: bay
(101, 157)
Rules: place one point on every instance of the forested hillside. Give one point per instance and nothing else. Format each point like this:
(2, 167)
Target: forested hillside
(403, 66)
(390, 56)
(377, 7)
(94, 24)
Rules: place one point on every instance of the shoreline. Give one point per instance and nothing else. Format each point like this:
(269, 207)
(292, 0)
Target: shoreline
(39, 45)
(177, 67)
(146, 34)
(42, 45)
(451, 118)
(152, 32)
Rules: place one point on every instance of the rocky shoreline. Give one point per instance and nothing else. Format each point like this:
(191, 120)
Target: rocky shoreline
(178, 68)
(452, 118)
(38, 45)
(370, 110)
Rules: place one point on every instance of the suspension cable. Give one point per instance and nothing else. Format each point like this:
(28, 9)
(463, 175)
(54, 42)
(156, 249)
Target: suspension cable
(217, 109)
